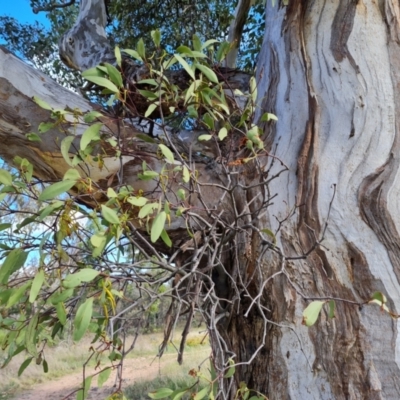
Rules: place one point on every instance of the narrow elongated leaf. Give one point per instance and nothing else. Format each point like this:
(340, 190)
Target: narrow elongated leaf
(61, 296)
(36, 285)
(61, 314)
(82, 394)
(91, 133)
(156, 36)
(158, 226)
(24, 365)
(56, 189)
(208, 73)
(140, 48)
(114, 74)
(82, 318)
(87, 274)
(109, 215)
(160, 393)
(30, 335)
(103, 82)
(203, 393)
(65, 146)
(166, 239)
(167, 153)
(150, 109)
(185, 175)
(41, 103)
(147, 209)
(311, 313)
(185, 65)
(133, 53)
(14, 261)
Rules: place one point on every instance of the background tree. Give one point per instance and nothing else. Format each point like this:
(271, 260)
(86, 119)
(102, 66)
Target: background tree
(310, 215)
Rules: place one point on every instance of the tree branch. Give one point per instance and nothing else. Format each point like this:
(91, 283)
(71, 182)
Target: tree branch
(53, 6)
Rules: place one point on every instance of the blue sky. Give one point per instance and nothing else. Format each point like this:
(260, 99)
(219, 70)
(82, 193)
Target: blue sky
(21, 10)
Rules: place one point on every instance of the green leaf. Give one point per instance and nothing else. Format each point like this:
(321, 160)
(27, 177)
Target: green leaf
(158, 226)
(269, 233)
(147, 209)
(160, 393)
(203, 393)
(91, 116)
(269, 117)
(17, 294)
(181, 194)
(311, 313)
(137, 201)
(59, 297)
(82, 394)
(82, 318)
(332, 308)
(5, 177)
(196, 43)
(65, 146)
(30, 335)
(114, 74)
(202, 138)
(91, 133)
(209, 43)
(71, 281)
(36, 285)
(14, 261)
(185, 175)
(178, 394)
(61, 314)
(118, 56)
(103, 376)
(150, 109)
(223, 133)
(24, 366)
(231, 370)
(148, 175)
(253, 88)
(109, 215)
(99, 240)
(5, 226)
(87, 274)
(133, 53)
(222, 51)
(71, 174)
(185, 65)
(156, 36)
(45, 367)
(45, 126)
(166, 239)
(379, 297)
(209, 73)
(140, 48)
(103, 82)
(167, 153)
(56, 189)
(41, 103)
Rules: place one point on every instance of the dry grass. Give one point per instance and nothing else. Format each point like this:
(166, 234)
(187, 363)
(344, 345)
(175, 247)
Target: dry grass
(68, 357)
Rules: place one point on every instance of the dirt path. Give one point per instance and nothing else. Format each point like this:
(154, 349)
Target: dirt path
(134, 370)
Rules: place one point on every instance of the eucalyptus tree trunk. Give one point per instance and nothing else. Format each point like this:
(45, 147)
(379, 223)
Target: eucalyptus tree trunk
(329, 71)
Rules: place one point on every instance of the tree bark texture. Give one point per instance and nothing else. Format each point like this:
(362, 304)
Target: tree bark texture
(329, 71)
